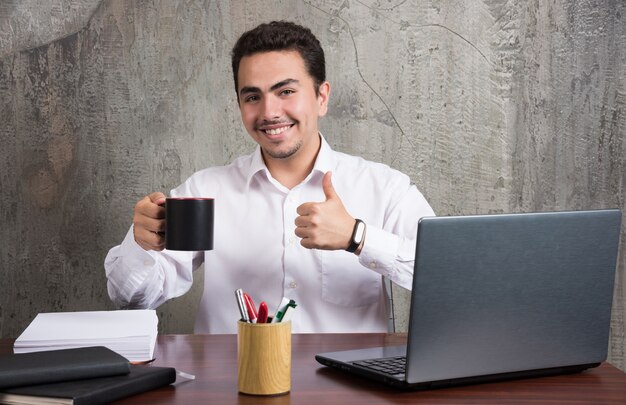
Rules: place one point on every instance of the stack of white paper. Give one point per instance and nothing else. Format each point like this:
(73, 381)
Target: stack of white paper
(131, 333)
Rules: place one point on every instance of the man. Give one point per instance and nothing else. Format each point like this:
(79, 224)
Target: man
(286, 215)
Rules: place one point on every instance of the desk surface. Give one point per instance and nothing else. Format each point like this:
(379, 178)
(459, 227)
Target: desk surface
(213, 360)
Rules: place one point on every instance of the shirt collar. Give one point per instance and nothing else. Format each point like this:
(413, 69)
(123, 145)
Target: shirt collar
(257, 165)
(323, 162)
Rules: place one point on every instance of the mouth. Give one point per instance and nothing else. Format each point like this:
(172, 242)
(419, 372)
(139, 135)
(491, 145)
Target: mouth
(275, 130)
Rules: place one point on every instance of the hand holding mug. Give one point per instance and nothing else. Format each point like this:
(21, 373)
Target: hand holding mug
(149, 222)
(184, 223)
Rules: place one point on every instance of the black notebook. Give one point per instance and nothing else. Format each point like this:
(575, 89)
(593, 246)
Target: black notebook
(60, 365)
(92, 391)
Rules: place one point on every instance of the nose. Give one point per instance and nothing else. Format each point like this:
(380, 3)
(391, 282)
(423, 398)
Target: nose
(271, 107)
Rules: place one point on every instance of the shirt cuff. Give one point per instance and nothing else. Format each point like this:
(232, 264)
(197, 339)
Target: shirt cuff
(379, 251)
(389, 255)
(138, 269)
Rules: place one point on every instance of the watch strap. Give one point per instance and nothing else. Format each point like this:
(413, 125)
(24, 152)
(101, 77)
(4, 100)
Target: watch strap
(354, 243)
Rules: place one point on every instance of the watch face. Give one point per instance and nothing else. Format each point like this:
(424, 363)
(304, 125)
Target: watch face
(358, 232)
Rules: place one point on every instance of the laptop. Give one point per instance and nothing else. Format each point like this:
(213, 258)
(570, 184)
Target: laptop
(498, 297)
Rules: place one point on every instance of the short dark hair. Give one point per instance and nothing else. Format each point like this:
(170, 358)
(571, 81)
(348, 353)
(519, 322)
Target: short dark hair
(282, 36)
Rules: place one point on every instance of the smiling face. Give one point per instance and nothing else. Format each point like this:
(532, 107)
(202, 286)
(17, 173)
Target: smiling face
(279, 105)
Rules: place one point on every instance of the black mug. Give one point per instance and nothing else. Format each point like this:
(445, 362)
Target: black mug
(189, 223)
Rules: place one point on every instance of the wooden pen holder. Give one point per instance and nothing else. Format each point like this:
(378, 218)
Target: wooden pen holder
(264, 358)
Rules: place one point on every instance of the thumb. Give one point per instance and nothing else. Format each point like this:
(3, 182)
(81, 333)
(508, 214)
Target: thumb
(327, 185)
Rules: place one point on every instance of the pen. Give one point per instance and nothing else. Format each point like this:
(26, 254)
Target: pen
(286, 316)
(263, 313)
(252, 315)
(242, 305)
(281, 308)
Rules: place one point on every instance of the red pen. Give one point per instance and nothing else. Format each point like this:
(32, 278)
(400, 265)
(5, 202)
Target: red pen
(250, 306)
(263, 313)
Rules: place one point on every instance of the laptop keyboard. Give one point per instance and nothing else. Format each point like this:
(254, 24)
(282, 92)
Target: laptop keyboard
(395, 366)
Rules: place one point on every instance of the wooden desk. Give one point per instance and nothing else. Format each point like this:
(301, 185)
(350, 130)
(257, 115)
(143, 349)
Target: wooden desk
(213, 360)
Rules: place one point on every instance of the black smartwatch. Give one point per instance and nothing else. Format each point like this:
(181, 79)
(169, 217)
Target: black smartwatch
(358, 234)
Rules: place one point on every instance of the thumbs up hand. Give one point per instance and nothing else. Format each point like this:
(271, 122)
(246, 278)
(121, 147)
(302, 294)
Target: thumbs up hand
(325, 225)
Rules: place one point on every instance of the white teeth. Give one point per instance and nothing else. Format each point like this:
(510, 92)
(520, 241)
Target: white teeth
(276, 131)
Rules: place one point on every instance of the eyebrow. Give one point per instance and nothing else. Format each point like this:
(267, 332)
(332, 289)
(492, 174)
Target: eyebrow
(252, 89)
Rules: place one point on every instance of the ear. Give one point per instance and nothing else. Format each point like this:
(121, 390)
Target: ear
(322, 98)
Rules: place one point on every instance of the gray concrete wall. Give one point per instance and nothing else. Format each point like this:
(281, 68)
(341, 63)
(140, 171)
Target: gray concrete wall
(490, 106)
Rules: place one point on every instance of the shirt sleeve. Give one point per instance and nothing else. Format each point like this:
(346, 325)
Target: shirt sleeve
(137, 278)
(390, 250)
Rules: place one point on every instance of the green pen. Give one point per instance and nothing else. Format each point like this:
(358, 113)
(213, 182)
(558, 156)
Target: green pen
(280, 315)
(280, 310)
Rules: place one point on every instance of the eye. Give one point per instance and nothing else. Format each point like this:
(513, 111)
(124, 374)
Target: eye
(286, 92)
(251, 98)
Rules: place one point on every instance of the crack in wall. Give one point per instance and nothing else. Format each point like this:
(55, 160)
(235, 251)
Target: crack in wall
(382, 9)
(407, 24)
(337, 15)
(360, 73)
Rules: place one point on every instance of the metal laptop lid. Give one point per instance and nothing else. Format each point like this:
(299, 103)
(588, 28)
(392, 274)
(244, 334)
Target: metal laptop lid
(513, 292)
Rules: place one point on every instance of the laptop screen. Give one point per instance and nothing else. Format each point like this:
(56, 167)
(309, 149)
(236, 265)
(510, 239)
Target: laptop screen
(511, 292)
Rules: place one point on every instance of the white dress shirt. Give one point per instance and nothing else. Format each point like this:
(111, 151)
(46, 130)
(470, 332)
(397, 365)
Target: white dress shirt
(256, 249)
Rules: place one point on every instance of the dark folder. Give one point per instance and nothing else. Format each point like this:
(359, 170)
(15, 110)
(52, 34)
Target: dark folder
(60, 365)
(93, 391)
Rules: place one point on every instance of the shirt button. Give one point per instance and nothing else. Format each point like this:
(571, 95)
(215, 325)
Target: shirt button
(293, 284)
(372, 265)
